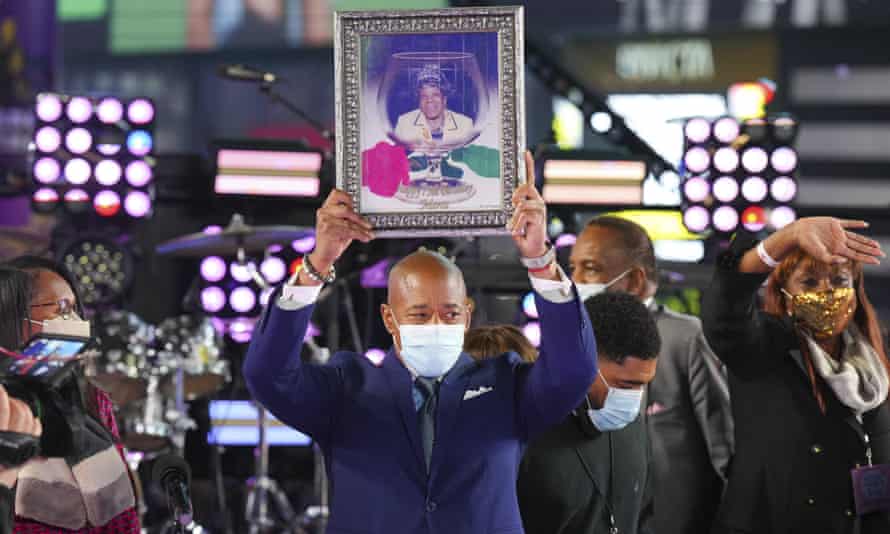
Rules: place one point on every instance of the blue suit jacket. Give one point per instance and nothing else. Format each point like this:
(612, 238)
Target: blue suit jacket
(363, 418)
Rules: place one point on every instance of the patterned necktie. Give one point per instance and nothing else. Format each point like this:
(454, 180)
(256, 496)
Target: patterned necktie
(429, 387)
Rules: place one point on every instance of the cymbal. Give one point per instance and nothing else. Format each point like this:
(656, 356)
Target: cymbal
(237, 235)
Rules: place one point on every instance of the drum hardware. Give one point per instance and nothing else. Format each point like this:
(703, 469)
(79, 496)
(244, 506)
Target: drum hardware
(260, 487)
(191, 344)
(237, 236)
(125, 354)
(160, 369)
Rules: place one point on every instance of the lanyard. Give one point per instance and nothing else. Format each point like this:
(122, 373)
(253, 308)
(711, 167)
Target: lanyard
(867, 448)
(613, 528)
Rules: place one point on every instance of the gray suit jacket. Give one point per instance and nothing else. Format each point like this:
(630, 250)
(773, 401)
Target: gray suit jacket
(690, 427)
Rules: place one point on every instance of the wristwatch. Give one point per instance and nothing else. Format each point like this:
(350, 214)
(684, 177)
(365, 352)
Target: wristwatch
(542, 262)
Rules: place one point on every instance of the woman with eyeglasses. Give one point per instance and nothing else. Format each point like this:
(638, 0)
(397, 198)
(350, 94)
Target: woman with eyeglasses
(808, 378)
(100, 501)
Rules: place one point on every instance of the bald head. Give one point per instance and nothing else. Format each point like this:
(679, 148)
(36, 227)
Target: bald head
(422, 266)
(425, 287)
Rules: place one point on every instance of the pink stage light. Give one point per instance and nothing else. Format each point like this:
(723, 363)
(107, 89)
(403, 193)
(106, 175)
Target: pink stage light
(755, 160)
(242, 299)
(782, 217)
(696, 189)
(78, 140)
(784, 159)
(77, 171)
(726, 218)
(697, 219)
(697, 130)
(726, 189)
(79, 110)
(273, 269)
(140, 111)
(49, 107)
(108, 172)
(242, 272)
(532, 332)
(45, 195)
(137, 204)
(213, 299)
(726, 160)
(46, 170)
(697, 159)
(47, 139)
(376, 356)
(304, 245)
(726, 130)
(77, 195)
(110, 110)
(213, 268)
(754, 189)
(565, 240)
(783, 189)
(138, 173)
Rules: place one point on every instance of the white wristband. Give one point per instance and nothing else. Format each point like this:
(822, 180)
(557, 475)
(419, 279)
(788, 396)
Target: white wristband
(764, 256)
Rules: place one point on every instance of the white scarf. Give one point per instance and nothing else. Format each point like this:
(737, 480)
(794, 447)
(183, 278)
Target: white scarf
(859, 379)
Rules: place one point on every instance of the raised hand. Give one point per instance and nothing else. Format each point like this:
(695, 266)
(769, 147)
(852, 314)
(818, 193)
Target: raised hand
(831, 240)
(529, 222)
(336, 226)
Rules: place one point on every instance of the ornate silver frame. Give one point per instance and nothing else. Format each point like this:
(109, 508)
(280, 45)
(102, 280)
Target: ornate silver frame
(349, 26)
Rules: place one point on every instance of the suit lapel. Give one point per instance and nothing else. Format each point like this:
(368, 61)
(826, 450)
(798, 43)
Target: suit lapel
(451, 393)
(453, 127)
(400, 384)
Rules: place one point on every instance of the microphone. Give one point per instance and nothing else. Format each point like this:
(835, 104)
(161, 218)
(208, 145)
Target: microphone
(243, 73)
(174, 476)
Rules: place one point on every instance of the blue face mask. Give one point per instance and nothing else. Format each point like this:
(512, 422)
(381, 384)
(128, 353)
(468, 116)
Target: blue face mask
(431, 350)
(621, 408)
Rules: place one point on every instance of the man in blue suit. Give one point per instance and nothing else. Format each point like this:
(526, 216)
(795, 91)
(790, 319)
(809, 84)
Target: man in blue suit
(428, 441)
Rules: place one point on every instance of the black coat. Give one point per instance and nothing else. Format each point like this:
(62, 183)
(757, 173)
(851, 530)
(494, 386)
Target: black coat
(690, 427)
(791, 469)
(565, 471)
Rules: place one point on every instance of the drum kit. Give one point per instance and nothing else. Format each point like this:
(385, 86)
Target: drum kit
(151, 371)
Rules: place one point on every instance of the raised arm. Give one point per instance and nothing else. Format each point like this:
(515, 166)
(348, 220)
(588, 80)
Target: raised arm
(300, 394)
(733, 326)
(548, 390)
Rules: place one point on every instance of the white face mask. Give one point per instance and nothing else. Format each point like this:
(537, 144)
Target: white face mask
(585, 291)
(70, 326)
(430, 350)
(621, 408)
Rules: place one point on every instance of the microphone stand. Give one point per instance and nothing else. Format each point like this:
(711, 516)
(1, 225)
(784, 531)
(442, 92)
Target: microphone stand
(256, 503)
(267, 89)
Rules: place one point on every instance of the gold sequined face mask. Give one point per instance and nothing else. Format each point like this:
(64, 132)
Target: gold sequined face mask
(823, 314)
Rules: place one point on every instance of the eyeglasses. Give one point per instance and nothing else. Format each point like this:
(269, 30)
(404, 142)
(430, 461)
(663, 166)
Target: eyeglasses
(62, 307)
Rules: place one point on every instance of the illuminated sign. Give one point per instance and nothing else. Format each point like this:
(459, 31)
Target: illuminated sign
(671, 61)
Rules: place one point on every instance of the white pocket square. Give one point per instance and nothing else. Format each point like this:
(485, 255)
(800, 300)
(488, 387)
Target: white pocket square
(473, 393)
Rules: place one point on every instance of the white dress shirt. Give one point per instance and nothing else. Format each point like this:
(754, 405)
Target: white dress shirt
(294, 297)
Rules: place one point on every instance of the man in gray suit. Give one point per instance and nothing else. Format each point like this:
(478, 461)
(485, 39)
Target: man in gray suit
(688, 401)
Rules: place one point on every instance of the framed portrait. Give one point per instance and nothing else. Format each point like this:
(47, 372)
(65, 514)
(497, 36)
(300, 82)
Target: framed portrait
(430, 118)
